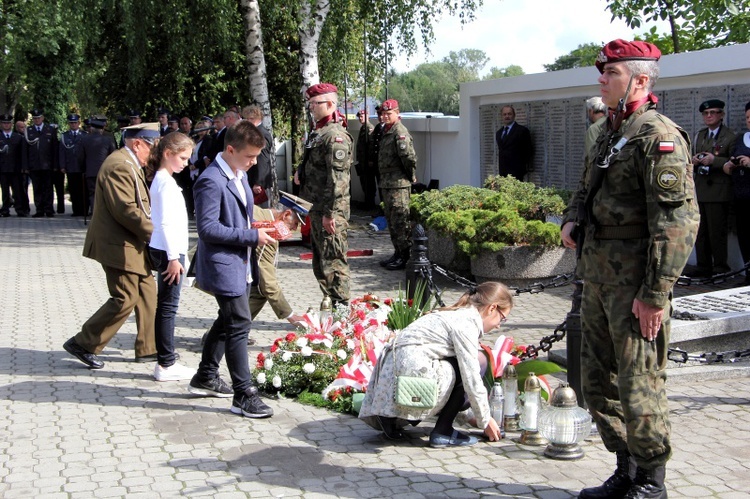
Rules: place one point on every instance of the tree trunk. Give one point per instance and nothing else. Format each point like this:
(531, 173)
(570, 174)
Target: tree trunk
(310, 27)
(257, 76)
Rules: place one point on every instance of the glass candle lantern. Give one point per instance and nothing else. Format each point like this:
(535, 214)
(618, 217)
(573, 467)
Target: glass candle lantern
(510, 406)
(564, 424)
(532, 406)
(326, 310)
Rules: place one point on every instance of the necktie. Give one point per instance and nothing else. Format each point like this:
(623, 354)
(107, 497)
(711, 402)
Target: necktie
(505, 133)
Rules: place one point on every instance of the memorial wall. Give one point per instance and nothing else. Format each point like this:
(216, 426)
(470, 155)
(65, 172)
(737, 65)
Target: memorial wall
(558, 127)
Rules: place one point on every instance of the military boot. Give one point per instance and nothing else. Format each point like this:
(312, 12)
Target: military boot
(648, 484)
(400, 262)
(384, 263)
(616, 486)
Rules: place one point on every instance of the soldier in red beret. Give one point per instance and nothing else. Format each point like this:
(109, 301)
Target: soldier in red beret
(397, 164)
(637, 209)
(327, 176)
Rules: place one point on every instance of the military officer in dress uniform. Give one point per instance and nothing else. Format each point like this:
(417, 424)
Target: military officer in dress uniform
(93, 150)
(711, 148)
(636, 205)
(41, 161)
(397, 163)
(70, 144)
(12, 181)
(327, 186)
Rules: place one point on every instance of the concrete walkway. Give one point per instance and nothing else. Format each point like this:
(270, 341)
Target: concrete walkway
(66, 431)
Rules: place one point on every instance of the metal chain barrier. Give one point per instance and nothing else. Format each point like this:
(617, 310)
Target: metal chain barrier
(714, 279)
(682, 357)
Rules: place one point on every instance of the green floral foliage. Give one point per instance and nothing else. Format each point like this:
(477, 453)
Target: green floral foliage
(505, 212)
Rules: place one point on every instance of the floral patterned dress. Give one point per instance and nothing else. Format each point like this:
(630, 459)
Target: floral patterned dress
(420, 350)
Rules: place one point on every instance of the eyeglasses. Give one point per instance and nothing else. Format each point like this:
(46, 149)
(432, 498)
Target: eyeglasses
(315, 103)
(709, 112)
(502, 315)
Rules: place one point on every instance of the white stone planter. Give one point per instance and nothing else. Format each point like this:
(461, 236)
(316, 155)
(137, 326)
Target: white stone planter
(521, 264)
(442, 250)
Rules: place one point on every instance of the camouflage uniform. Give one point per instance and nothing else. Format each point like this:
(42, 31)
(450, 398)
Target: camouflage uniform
(397, 163)
(642, 227)
(327, 175)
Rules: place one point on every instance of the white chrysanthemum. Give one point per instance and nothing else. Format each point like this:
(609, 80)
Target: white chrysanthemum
(268, 364)
(306, 351)
(286, 356)
(350, 344)
(341, 354)
(261, 379)
(309, 368)
(276, 381)
(301, 342)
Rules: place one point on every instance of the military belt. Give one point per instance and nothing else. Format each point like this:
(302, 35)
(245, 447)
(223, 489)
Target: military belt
(621, 232)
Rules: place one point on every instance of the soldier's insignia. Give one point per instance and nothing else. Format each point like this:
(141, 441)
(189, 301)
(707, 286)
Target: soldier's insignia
(666, 146)
(339, 140)
(668, 178)
(340, 154)
(601, 57)
(402, 146)
(402, 137)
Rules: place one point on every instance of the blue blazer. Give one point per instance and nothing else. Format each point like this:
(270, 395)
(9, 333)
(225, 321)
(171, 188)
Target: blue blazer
(223, 236)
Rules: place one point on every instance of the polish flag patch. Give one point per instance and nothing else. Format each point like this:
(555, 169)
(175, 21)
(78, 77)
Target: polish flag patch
(666, 146)
(338, 139)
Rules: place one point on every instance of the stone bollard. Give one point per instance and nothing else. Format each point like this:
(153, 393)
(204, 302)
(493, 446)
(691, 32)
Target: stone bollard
(418, 268)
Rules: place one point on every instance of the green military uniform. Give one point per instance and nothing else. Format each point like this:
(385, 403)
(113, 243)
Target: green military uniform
(397, 163)
(642, 226)
(327, 176)
(713, 188)
(268, 288)
(366, 170)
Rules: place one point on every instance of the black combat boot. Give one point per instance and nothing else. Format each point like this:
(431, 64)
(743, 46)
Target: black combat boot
(648, 484)
(384, 263)
(400, 262)
(616, 486)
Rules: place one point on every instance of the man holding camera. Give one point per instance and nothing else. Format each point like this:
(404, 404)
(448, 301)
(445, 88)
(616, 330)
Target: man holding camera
(712, 147)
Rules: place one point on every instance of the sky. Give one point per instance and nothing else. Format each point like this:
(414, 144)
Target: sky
(514, 32)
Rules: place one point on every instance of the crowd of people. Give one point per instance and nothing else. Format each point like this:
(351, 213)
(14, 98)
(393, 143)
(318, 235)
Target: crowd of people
(644, 200)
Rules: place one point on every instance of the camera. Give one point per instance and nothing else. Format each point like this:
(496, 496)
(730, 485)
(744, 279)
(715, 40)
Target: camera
(701, 155)
(735, 161)
(704, 170)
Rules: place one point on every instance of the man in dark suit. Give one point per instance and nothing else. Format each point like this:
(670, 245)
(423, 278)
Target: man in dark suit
(163, 118)
(230, 118)
(70, 145)
(95, 148)
(259, 177)
(203, 143)
(713, 189)
(514, 145)
(118, 239)
(41, 161)
(11, 178)
(226, 266)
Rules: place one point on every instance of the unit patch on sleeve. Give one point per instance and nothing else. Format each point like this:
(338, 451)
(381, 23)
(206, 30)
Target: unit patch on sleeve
(668, 178)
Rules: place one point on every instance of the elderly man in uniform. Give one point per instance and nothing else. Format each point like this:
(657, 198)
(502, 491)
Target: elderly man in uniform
(122, 220)
(712, 148)
(11, 178)
(638, 211)
(327, 186)
(41, 161)
(70, 144)
(397, 163)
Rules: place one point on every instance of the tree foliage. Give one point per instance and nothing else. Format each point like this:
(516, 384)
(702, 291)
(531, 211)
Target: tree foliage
(694, 24)
(582, 56)
(506, 72)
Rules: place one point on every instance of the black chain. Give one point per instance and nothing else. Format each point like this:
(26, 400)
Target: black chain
(682, 357)
(537, 287)
(714, 279)
(532, 352)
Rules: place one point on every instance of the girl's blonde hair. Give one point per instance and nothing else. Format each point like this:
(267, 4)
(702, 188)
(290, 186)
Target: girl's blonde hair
(175, 142)
(485, 295)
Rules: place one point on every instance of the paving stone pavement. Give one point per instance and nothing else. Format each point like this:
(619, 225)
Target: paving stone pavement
(66, 431)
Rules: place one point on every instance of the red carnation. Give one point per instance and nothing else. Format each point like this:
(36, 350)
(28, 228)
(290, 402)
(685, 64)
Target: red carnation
(361, 314)
(290, 337)
(388, 301)
(410, 302)
(274, 347)
(261, 360)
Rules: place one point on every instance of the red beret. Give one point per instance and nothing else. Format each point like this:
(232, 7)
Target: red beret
(320, 89)
(621, 50)
(389, 105)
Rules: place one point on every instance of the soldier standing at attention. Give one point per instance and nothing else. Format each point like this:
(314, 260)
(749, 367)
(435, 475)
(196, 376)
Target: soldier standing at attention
(713, 188)
(636, 205)
(327, 176)
(41, 161)
(70, 143)
(397, 162)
